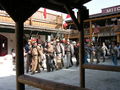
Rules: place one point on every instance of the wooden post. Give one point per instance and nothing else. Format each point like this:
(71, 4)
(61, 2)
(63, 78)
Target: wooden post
(90, 30)
(30, 20)
(19, 54)
(82, 14)
(118, 38)
(81, 48)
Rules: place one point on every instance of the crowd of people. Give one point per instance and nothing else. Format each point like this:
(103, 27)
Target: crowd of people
(57, 54)
(96, 52)
(52, 53)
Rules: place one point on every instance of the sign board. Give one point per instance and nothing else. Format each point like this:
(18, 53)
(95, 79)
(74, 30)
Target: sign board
(111, 9)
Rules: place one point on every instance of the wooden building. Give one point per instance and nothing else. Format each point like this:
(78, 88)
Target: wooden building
(20, 11)
(35, 25)
(101, 27)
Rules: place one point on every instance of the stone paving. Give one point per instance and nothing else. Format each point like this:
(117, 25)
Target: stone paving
(95, 80)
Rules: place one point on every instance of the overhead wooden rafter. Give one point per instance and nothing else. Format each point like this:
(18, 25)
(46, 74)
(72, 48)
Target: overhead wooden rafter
(21, 10)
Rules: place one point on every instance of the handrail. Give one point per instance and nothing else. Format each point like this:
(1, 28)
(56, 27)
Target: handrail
(101, 67)
(46, 84)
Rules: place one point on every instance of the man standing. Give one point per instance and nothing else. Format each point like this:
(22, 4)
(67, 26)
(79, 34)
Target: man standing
(35, 58)
(63, 44)
(72, 53)
(49, 50)
(114, 53)
(29, 60)
(40, 56)
(59, 49)
(68, 54)
(76, 53)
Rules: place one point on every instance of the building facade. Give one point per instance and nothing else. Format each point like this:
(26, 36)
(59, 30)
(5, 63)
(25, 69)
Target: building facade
(101, 27)
(36, 25)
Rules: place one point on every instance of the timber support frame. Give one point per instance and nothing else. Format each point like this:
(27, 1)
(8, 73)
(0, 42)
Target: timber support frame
(79, 24)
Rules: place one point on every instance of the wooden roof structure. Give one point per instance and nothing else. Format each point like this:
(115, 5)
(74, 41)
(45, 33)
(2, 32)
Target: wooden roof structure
(20, 11)
(36, 29)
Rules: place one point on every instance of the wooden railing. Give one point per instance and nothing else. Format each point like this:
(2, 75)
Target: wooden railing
(102, 67)
(46, 84)
(101, 29)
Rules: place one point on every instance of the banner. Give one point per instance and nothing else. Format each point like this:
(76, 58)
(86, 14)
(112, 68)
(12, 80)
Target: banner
(44, 13)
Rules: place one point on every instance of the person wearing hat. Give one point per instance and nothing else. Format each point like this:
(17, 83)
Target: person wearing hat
(41, 56)
(35, 58)
(76, 52)
(69, 53)
(28, 55)
(59, 49)
(49, 51)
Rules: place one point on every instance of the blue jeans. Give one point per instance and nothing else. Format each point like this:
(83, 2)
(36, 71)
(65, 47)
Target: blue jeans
(114, 59)
(85, 59)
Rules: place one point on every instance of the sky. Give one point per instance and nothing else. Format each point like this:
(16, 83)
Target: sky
(94, 6)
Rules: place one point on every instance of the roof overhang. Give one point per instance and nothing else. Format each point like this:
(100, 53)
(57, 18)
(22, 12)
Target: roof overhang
(36, 28)
(22, 9)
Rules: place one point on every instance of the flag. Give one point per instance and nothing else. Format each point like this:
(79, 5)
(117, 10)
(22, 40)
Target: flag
(65, 25)
(68, 16)
(64, 22)
(44, 13)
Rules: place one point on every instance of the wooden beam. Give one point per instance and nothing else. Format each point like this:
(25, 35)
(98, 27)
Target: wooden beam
(81, 48)
(19, 54)
(101, 18)
(68, 8)
(46, 84)
(79, 24)
(101, 67)
(91, 30)
(117, 32)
